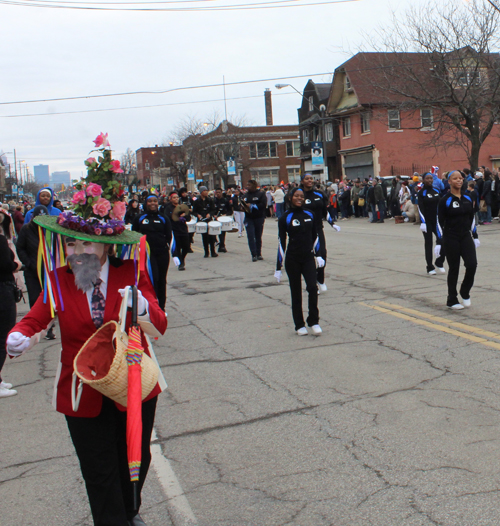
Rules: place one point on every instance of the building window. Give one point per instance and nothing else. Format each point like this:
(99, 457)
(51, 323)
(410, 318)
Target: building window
(293, 148)
(348, 86)
(146, 166)
(293, 175)
(262, 150)
(426, 118)
(329, 132)
(305, 136)
(394, 119)
(365, 122)
(311, 103)
(265, 176)
(346, 126)
(469, 78)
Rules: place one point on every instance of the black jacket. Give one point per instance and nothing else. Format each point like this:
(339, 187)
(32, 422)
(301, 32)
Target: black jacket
(27, 247)
(202, 207)
(157, 229)
(428, 201)
(258, 204)
(179, 228)
(455, 217)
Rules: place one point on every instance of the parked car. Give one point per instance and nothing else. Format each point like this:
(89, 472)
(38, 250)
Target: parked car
(388, 179)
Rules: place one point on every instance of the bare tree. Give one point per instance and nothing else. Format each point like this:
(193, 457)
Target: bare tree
(191, 132)
(441, 58)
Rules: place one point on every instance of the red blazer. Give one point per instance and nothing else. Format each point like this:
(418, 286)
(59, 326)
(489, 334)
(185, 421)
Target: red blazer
(76, 327)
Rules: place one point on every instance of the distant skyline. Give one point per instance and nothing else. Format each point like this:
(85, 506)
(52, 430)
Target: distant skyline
(56, 53)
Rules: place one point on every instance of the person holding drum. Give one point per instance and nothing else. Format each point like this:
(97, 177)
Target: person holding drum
(299, 225)
(223, 207)
(204, 210)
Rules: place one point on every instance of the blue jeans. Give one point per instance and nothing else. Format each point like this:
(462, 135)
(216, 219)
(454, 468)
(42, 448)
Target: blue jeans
(254, 228)
(280, 208)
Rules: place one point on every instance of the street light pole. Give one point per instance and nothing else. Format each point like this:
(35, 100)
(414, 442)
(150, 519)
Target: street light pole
(321, 110)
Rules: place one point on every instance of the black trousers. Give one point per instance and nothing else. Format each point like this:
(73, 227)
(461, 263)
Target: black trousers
(101, 447)
(209, 241)
(320, 272)
(429, 253)
(456, 248)
(8, 312)
(33, 286)
(255, 228)
(183, 246)
(295, 269)
(159, 268)
(222, 240)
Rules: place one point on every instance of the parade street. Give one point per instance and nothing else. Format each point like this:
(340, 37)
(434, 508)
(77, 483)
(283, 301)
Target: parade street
(390, 418)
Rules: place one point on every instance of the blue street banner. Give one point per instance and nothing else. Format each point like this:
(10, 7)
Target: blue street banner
(170, 181)
(134, 188)
(191, 174)
(231, 166)
(317, 154)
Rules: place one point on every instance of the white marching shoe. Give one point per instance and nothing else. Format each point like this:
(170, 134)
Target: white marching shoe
(466, 302)
(442, 270)
(5, 385)
(457, 306)
(316, 329)
(431, 272)
(4, 392)
(302, 331)
(322, 287)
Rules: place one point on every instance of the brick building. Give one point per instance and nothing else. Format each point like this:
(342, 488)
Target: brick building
(161, 166)
(383, 132)
(270, 154)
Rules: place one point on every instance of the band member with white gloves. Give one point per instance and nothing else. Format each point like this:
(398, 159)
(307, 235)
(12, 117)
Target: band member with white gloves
(457, 234)
(428, 200)
(299, 225)
(317, 203)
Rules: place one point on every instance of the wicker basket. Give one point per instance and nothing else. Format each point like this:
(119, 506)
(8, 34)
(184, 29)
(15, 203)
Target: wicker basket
(101, 363)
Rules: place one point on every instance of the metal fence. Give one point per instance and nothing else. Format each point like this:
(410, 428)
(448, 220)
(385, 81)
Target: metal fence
(409, 169)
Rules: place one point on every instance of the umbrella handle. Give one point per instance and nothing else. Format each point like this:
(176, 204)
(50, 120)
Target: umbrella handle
(134, 306)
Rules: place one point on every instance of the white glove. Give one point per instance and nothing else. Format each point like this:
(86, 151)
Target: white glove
(320, 262)
(277, 275)
(141, 300)
(177, 261)
(437, 251)
(336, 227)
(17, 343)
(423, 227)
(477, 243)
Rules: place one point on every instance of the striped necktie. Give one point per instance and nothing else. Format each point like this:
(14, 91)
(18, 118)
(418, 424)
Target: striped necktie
(98, 304)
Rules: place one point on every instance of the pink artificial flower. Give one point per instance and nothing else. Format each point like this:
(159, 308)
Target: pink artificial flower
(79, 198)
(90, 161)
(94, 190)
(102, 207)
(118, 211)
(109, 231)
(115, 167)
(101, 140)
(97, 231)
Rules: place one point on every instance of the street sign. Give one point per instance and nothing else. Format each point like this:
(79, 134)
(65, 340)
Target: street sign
(231, 166)
(317, 154)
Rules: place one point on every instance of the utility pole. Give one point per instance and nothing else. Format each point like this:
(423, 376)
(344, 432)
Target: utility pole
(15, 165)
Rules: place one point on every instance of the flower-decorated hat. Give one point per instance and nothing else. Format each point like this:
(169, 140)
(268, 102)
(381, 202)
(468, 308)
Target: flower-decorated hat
(98, 211)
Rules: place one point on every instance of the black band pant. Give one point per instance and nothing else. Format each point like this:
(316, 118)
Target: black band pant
(429, 253)
(456, 248)
(295, 269)
(159, 269)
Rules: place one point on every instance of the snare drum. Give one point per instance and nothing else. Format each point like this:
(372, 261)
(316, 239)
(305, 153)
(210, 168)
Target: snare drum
(191, 226)
(226, 222)
(214, 228)
(201, 227)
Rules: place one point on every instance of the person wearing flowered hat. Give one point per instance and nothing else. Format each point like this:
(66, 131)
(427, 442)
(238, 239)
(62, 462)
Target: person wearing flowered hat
(85, 294)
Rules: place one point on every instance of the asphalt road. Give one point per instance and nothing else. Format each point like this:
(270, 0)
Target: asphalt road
(390, 418)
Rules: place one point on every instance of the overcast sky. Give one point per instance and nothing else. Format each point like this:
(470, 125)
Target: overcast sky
(53, 53)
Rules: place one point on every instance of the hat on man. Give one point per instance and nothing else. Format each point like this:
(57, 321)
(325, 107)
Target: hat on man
(202, 188)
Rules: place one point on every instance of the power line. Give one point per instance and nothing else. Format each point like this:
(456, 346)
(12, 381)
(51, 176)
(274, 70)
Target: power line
(240, 7)
(159, 92)
(136, 107)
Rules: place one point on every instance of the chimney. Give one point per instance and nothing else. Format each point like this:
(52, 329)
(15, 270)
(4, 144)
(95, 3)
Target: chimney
(269, 107)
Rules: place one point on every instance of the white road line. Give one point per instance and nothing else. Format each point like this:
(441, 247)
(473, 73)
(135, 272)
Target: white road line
(179, 508)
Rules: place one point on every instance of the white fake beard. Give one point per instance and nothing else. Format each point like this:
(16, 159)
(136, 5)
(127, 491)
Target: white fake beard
(86, 269)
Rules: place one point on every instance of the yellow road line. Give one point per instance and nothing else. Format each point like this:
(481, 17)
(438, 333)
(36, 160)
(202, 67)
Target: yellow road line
(430, 325)
(456, 324)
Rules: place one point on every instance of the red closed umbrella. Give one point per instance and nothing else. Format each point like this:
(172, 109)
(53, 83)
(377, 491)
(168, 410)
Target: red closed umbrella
(134, 400)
